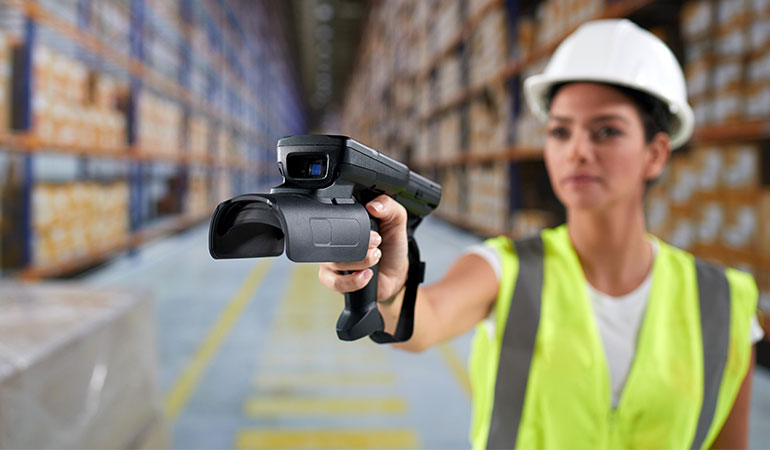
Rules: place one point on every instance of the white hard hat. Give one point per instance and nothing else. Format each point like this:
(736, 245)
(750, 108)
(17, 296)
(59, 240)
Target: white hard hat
(617, 51)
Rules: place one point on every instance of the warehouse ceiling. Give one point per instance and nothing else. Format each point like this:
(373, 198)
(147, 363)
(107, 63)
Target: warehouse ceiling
(327, 33)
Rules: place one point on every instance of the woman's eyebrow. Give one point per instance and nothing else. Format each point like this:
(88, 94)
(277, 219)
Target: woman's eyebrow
(560, 118)
(606, 117)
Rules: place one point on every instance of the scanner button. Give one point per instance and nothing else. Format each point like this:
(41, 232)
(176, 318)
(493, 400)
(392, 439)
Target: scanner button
(335, 232)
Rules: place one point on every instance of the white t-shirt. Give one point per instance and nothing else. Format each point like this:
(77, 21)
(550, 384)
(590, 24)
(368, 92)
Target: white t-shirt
(618, 320)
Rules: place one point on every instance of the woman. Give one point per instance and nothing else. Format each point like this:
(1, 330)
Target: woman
(594, 334)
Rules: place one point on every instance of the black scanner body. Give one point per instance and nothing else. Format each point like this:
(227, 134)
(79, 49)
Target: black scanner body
(317, 214)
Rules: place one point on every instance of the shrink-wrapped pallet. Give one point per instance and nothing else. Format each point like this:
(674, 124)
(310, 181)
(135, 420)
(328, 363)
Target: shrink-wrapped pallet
(78, 368)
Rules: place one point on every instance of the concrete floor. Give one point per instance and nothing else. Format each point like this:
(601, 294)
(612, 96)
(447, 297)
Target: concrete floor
(248, 356)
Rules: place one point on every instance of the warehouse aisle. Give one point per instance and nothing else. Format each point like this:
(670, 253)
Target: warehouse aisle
(248, 357)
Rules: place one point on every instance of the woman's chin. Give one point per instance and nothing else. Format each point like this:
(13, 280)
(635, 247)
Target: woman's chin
(584, 203)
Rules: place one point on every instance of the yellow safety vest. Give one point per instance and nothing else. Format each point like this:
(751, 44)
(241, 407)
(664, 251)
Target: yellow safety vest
(540, 377)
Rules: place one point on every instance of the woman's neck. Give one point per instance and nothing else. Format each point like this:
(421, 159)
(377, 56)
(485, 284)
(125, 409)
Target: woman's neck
(613, 248)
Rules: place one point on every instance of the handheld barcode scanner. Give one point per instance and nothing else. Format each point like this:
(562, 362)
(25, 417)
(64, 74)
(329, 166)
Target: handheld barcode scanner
(318, 215)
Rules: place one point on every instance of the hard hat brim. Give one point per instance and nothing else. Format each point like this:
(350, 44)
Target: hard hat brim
(537, 88)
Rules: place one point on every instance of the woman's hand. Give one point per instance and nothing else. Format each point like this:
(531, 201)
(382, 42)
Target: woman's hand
(388, 248)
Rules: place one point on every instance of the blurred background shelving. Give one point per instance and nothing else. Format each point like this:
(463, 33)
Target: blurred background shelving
(126, 120)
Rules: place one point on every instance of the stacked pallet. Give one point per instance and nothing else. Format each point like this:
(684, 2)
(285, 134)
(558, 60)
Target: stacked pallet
(488, 202)
(556, 18)
(198, 135)
(160, 125)
(79, 369)
(76, 106)
(488, 47)
(77, 218)
(489, 119)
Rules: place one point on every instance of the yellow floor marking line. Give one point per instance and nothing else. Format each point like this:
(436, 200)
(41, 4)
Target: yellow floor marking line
(188, 380)
(455, 364)
(270, 407)
(313, 379)
(311, 356)
(396, 438)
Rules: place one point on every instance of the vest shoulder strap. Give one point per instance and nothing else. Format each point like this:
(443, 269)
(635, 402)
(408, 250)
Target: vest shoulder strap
(518, 345)
(714, 302)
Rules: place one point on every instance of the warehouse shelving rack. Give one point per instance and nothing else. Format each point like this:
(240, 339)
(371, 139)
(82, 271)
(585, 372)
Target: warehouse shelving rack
(234, 96)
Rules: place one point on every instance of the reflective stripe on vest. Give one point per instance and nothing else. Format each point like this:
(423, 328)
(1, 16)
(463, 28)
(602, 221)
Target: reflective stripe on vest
(518, 343)
(521, 331)
(714, 299)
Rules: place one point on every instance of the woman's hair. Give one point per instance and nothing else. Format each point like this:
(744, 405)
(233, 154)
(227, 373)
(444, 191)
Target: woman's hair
(652, 111)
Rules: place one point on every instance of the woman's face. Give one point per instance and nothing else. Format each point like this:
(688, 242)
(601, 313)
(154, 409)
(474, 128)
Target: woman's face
(595, 149)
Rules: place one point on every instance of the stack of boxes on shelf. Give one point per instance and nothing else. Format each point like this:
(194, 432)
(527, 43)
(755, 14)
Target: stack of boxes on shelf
(489, 120)
(452, 189)
(198, 147)
(727, 59)
(75, 106)
(488, 46)
(109, 22)
(559, 17)
(160, 124)
(489, 114)
(445, 18)
(74, 219)
(488, 201)
(198, 136)
(5, 84)
(197, 197)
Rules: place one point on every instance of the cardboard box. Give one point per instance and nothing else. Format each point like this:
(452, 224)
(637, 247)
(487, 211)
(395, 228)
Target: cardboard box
(741, 227)
(697, 19)
(711, 219)
(729, 105)
(741, 168)
(657, 214)
(684, 181)
(732, 14)
(699, 75)
(79, 367)
(732, 41)
(684, 233)
(757, 102)
(708, 163)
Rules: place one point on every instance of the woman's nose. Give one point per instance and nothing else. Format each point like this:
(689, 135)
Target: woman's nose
(580, 147)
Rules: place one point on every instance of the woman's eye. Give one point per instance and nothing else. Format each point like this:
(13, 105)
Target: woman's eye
(558, 132)
(607, 132)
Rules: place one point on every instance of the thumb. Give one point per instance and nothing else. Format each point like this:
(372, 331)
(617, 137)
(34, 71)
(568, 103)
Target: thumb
(386, 209)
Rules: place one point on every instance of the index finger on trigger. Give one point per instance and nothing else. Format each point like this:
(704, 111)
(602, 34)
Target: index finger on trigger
(374, 239)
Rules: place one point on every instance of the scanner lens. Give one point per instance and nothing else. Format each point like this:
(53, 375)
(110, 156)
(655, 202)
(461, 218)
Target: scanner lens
(307, 166)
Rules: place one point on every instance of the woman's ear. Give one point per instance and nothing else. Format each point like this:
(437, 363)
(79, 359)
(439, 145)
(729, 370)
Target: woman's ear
(658, 152)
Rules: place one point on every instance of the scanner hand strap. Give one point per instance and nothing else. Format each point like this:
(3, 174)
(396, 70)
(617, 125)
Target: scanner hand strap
(414, 277)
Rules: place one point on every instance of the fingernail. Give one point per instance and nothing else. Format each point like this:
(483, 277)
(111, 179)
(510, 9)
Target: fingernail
(376, 239)
(377, 253)
(376, 205)
(366, 274)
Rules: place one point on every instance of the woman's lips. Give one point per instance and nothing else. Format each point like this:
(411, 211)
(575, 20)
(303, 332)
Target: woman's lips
(581, 180)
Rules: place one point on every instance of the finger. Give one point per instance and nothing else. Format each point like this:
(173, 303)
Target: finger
(374, 239)
(345, 283)
(386, 209)
(372, 257)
